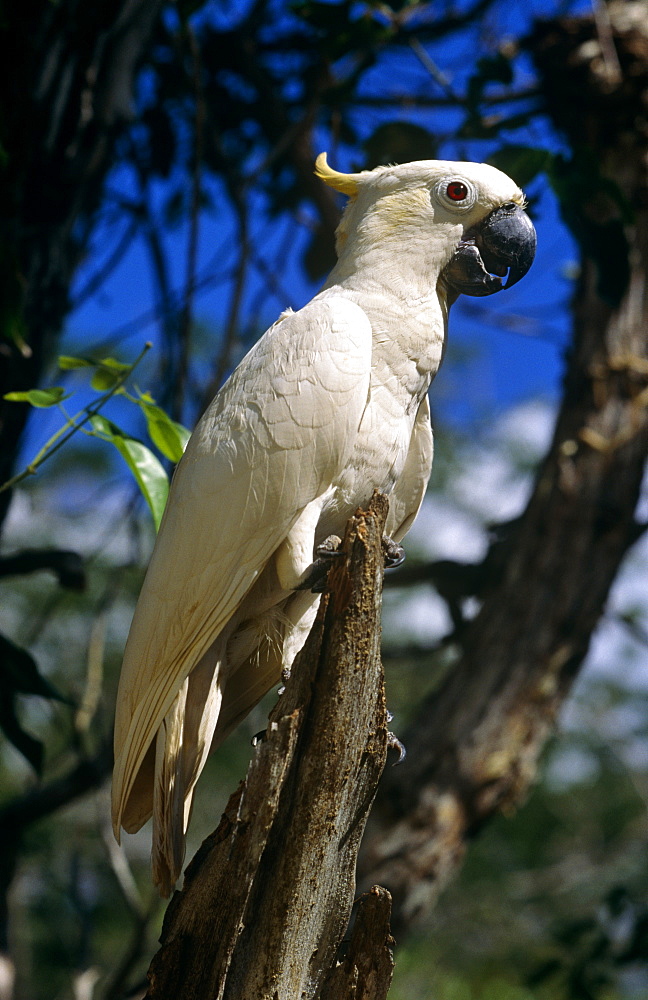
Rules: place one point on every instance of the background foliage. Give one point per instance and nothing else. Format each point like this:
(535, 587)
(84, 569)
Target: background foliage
(188, 170)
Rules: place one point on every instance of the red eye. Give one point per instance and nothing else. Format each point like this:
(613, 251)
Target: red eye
(457, 191)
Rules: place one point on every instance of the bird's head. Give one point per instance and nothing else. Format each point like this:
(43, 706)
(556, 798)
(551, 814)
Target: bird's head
(463, 222)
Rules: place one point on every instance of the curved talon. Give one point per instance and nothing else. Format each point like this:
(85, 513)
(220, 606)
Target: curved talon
(393, 743)
(393, 552)
(315, 577)
(330, 547)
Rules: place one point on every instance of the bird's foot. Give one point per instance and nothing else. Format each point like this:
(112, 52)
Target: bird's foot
(329, 548)
(315, 576)
(285, 677)
(393, 743)
(393, 552)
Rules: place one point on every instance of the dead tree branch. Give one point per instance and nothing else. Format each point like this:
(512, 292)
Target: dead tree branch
(475, 745)
(267, 899)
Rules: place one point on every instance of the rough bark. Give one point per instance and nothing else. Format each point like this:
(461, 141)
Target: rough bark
(266, 900)
(366, 970)
(475, 745)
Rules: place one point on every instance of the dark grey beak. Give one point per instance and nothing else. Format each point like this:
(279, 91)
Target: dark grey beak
(504, 243)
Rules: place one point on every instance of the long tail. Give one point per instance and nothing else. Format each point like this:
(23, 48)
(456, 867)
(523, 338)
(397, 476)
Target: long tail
(168, 798)
(255, 655)
(181, 750)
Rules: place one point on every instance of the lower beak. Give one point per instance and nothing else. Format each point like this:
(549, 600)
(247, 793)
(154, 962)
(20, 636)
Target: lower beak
(502, 245)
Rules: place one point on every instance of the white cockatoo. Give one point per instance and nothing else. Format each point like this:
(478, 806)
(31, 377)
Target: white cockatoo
(329, 404)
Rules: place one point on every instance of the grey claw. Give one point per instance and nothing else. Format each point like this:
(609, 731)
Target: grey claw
(329, 547)
(393, 743)
(315, 578)
(393, 552)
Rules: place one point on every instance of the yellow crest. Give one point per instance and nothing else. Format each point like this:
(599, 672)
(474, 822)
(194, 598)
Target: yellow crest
(345, 183)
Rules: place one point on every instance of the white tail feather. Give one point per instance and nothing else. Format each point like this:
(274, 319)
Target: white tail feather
(181, 750)
(168, 797)
(201, 716)
(186, 736)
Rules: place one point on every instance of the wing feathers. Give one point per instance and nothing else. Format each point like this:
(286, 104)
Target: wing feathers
(409, 489)
(273, 440)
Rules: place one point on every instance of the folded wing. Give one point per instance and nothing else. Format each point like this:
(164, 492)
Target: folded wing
(272, 441)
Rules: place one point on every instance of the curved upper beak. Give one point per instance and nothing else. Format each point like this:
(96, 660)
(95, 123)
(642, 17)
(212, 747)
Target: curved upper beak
(503, 244)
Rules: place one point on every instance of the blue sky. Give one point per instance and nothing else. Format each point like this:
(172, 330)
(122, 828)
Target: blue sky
(502, 350)
(516, 338)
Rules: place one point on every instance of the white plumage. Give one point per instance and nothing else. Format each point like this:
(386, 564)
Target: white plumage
(328, 405)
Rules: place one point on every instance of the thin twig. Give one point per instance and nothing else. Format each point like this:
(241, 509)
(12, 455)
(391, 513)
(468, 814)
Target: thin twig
(435, 72)
(94, 676)
(141, 911)
(273, 284)
(50, 606)
(210, 278)
(425, 101)
(167, 318)
(57, 441)
(194, 219)
(46, 799)
(232, 325)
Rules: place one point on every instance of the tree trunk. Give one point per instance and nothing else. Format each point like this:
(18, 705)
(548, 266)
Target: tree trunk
(268, 896)
(475, 745)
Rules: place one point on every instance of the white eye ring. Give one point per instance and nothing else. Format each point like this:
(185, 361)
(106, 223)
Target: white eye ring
(456, 193)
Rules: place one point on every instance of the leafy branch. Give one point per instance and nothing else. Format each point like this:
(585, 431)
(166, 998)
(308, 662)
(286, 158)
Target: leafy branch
(109, 378)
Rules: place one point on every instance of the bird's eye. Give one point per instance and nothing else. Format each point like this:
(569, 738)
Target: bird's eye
(457, 194)
(457, 191)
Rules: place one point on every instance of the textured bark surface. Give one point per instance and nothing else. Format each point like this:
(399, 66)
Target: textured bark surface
(365, 972)
(475, 746)
(267, 899)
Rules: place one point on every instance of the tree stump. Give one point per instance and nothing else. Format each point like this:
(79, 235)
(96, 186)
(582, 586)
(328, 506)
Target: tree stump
(268, 896)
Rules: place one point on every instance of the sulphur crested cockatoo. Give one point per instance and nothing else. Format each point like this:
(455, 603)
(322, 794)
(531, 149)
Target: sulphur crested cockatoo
(329, 404)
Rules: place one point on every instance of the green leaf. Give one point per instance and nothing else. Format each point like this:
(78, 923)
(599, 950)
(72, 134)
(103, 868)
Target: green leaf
(109, 371)
(167, 435)
(68, 363)
(41, 398)
(148, 471)
(103, 380)
(113, 365)
(105, 427)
